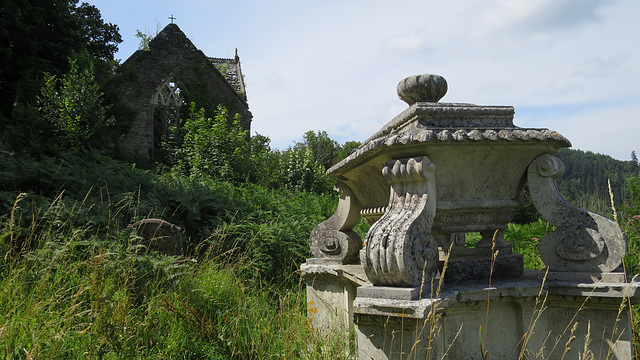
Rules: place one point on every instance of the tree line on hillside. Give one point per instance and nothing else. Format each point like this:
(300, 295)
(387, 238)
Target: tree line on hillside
(588, 176)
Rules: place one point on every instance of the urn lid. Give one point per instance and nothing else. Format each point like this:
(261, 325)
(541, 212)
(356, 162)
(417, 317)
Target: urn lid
(422, 88)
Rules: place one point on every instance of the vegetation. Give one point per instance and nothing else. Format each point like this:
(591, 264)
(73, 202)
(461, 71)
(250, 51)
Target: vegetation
(76, 282)
(38, 37)
(587, 176)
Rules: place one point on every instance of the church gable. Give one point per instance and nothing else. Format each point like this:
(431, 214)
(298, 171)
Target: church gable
(164, 79)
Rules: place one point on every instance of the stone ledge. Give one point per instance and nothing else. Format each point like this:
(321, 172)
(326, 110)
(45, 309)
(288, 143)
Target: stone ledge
(317, 267)
(410, 302)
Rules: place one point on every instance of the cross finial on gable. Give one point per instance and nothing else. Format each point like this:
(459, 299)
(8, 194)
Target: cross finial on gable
(171, 18)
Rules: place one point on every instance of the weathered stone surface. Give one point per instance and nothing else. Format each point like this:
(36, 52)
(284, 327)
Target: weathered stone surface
(582, 241)
(474, 268)
(524, 316)
(331, 290)
(334, 241)
(433, 173)
(400, 250)
(160, 235)
(423, 88)
(539, 306)
(480, 160)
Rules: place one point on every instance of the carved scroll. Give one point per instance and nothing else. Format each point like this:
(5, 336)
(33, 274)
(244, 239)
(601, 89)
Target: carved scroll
(400, 250)
(583, 241)
(333, 240)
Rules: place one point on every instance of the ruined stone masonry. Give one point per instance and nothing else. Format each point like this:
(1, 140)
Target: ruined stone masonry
(157, 84)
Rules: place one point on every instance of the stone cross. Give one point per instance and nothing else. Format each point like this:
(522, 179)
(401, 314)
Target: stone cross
(171, 18)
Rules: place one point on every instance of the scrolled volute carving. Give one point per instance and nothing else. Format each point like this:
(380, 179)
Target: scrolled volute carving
(550, 166)
(400, 251)
(334, 241)
(583, 241)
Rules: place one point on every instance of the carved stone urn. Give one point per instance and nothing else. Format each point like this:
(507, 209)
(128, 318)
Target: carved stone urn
(440, 170)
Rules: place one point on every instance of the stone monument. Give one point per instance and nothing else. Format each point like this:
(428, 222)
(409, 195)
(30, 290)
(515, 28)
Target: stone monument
(413, 289)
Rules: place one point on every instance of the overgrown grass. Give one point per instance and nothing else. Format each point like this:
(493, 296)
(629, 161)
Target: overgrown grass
(75, 282)
(87, 292)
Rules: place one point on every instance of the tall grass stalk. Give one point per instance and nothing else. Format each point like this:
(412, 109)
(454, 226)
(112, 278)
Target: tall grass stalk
(494, 254)
(538, 309)
(627, 300)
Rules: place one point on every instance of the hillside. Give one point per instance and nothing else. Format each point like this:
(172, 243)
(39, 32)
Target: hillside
(586, 178)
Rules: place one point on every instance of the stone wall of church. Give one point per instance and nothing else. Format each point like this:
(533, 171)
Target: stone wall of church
(171, 57)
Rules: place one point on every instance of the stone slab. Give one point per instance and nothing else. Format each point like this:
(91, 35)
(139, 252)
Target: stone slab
(536, 306)
(372, 298)
(317, 267)
(389, 292)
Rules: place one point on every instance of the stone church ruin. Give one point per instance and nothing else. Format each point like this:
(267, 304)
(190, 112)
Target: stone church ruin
(158, 84)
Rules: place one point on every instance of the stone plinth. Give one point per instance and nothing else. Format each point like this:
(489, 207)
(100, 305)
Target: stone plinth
(523, 316)
(331, 289)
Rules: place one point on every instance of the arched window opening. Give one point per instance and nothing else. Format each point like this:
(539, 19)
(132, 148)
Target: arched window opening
(168, 101)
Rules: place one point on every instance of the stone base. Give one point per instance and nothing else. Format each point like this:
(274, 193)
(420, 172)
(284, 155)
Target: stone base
(331, 289)
(525, 319)
(515, 318)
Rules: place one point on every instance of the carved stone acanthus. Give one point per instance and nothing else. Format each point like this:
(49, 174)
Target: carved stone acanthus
(400, 251)
(583, 241)
(334, 241)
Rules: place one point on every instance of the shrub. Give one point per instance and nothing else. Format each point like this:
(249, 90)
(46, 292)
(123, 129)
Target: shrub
(214, 147)
(72, 105)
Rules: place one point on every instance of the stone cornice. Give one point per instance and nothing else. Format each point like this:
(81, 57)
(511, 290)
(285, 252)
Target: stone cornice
(439, 136)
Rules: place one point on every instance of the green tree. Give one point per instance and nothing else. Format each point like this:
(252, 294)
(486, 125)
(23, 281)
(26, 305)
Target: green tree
(144, 39)
(633, 195)
(301, 172)
(323, 149)
(585, 182)
(71, 106)
(216, 147)
(100, 39)
(38, 37)
(347, 148)
(265, 163)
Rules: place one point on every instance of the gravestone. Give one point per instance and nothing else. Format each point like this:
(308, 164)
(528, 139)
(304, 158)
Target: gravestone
(160, 235)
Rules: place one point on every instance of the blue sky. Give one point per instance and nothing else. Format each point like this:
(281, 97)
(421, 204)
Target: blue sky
(568, 65)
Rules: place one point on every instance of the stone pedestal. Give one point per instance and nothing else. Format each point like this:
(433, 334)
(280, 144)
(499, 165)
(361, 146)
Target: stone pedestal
(532, 316)
(433, 173)
(331, 289)
(515, 318)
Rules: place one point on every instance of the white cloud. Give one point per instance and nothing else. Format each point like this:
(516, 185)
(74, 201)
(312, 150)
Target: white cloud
(603, 65)
(518, 17)
(274, 81)
(610, 130)
(407, 43)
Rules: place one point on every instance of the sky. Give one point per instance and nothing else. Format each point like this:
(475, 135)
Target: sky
(568, 65)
